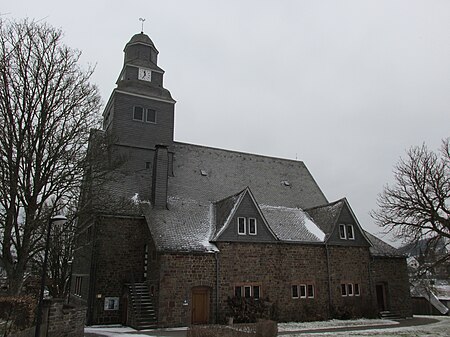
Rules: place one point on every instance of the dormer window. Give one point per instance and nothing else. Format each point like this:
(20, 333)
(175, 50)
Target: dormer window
(242, 226)
(252, 229)
(247, 226)
(346, 232)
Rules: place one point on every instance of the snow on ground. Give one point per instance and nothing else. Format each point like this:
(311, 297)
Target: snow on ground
(113, 331)
(438, 329)
(334, 323)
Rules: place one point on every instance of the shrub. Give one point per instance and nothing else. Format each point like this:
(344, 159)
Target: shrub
(17, 311)
(249, 310)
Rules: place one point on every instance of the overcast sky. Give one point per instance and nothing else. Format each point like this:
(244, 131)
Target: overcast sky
(345, 86)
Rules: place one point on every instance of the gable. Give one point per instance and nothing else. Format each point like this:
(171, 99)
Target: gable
(347, 230)
(246, 223)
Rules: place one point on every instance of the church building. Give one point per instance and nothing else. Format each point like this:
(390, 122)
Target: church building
(177, 231)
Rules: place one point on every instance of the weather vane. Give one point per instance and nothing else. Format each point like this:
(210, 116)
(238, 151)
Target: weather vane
(142, 24)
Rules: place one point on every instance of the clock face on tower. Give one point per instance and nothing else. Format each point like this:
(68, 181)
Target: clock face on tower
(145, 74)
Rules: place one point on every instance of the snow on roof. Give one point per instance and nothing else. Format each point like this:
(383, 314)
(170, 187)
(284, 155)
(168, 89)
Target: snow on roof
(292, 224)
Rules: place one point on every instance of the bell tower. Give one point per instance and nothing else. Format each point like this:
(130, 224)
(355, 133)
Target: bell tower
(140, 111)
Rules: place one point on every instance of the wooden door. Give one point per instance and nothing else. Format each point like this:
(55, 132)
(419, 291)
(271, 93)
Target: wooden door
(200, 305)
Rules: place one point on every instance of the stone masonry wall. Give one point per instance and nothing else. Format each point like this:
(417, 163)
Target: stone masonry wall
(119, 259)
(392, 272)
(65, 321)
(350, 265)
(179, 273)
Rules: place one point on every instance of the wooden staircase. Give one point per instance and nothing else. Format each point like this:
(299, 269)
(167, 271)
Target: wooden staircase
(143, 315)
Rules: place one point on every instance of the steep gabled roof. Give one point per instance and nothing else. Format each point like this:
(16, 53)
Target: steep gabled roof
(273, 181)
(237, 199)
(292, 224)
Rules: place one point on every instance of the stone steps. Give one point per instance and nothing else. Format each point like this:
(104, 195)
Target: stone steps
(142, 306)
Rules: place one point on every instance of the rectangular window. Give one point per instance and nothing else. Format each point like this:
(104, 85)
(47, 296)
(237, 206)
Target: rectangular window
(343, 289)
(256, 292)
(238, 291)
(350, 289)
(138, 113)
(295, 291)
(252, 226)
(310, 289)
(151, 116)
(241, 226)
(302, 290)
(357, 292)
(78, 283)
(342, 232)
(247, 291)
(350, 232)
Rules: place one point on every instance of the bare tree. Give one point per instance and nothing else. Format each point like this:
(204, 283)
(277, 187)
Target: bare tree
(47, 107)
(417, 206)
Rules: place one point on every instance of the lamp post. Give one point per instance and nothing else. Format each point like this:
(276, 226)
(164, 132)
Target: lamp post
(62, 219)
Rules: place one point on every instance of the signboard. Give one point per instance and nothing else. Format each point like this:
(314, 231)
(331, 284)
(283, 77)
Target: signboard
(111, 303)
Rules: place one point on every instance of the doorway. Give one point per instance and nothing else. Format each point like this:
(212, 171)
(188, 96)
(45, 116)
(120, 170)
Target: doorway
(200, 305)
(381, 296)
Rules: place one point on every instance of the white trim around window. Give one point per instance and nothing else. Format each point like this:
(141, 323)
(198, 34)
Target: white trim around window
(242, 225)
(252, 226)
(346, 232)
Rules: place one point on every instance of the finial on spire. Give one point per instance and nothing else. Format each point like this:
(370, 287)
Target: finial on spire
(142, 25)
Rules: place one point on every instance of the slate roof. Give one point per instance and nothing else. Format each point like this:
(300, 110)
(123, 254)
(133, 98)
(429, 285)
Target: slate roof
(184, 227)
(326, 216)
(381, 248)
(188, 225)
(292, 224)
(231, 171)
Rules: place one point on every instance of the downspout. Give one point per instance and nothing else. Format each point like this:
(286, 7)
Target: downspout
(93, 274)
(216, 255)
(329, 279)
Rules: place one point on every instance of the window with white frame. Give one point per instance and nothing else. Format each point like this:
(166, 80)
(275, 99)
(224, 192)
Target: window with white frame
(303, 290)
(252, 229)
(343, 289)
(242, 225)
(248, 290)
(346, 232)
(357, 291)
(295, 291)
(350, 289)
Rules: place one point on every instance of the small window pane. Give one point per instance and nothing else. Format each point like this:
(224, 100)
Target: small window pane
(241, 226)
(294, 291)
(247, 291)
(302, 290)
(350, 233)
(138, 113)
(342, 232)
(256, 292)
(252, 226)
(238, 291)
(357, 289)
(151, 116)
(344, 290)
(310, 290)
(350, 289)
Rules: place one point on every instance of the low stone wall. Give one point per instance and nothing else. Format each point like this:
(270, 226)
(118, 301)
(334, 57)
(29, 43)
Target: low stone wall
(65, 320)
